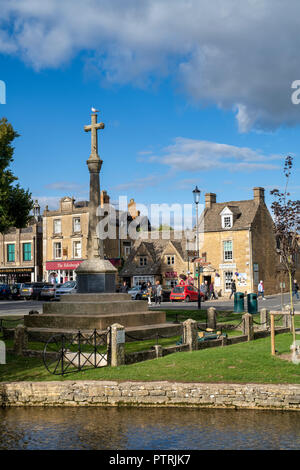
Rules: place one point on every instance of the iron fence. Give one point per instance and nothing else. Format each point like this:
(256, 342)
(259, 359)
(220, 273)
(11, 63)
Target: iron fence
(83, 351)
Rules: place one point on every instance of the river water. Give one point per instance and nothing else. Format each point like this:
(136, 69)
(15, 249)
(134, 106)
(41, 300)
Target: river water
(147, 428)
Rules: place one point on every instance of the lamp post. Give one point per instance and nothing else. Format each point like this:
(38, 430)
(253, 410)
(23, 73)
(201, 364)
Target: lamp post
(196, 194)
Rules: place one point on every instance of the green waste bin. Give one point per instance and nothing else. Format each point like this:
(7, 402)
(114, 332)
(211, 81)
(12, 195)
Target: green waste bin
(252, 303)
(239, 302)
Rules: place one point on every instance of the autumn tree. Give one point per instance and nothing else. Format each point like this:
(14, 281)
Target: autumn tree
(286, 227)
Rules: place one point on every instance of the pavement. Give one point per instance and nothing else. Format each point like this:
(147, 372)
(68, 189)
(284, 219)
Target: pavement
(271, 302)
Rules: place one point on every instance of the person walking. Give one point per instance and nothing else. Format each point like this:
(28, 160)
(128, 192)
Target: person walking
(233, 288)
(212, 294)
(296, 289)
(261, 290)
(149, 292)
(157, 293)
(124, 288)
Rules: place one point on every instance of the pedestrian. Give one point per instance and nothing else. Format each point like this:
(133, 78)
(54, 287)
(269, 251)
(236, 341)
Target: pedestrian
(124, 288)
(261, 290)
(233, 288)
(149, 292)
(212, 294)
(296, 289)
(157, 293)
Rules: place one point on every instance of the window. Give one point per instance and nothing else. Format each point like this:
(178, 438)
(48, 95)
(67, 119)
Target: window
(143, 261)
(76, 224)
(77, 249)
(26, 251)
(57, 250)
(171, 259)
(227, 221)
(57, 226)
(227, 249)
(228, 280)
(126, 249)
(171, 283)
(11, 252)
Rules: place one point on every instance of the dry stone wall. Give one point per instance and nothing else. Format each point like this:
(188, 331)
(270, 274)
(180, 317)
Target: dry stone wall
(165, 394)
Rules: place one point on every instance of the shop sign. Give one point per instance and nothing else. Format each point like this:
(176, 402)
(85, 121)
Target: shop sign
(55, 265)
(171, 274)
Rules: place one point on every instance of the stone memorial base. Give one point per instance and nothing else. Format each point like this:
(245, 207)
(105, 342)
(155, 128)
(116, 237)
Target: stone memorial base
(86, 312)
(96, 276)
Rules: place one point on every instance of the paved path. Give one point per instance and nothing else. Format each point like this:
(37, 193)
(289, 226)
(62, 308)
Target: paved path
(272, 302)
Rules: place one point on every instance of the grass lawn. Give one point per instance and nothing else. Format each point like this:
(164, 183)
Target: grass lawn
(241, 363)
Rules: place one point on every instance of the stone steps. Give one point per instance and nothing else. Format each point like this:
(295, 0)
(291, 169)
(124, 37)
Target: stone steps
(94, 297)
(114, 307)
(94, 321)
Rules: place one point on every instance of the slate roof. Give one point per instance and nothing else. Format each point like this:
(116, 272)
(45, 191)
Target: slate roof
(243, 215)
(155, 248)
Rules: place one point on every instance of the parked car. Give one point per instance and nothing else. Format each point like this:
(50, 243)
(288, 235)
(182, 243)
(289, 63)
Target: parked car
(49, 292)
(15, 290)
(69, 287)
(33, 290)
(186, 294)
(137, 293)
(5, 292)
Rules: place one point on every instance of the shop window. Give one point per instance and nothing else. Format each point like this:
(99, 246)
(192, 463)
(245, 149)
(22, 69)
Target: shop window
(11, 252)
(228, 280)
(57, 250)
(26, 251)
(227, 249)
(57, 226)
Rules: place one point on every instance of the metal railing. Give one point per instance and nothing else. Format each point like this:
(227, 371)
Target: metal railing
(83, 351)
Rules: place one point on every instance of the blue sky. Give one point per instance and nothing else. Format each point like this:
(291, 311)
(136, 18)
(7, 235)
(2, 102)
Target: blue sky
(183, 103)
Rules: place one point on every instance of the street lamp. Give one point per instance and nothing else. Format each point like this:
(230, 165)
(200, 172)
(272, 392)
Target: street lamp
(196, 194)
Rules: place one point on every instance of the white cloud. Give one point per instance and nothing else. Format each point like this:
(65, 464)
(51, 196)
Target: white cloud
(195, 155)
(139, 183)
(238, 55)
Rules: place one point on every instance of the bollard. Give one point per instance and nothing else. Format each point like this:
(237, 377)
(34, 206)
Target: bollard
(248, 326)
(211, 318)
(264, 319)
(287, 318)
(20, 340)
(116, 346)
(190, 334)
(158, 350)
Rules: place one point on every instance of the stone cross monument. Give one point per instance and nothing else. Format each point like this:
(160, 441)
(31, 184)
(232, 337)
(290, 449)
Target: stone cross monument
(95, 274)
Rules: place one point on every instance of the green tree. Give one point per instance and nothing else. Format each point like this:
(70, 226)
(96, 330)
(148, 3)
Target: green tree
(15, 202)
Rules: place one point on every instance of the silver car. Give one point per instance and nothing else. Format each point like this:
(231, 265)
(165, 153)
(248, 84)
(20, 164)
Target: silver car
(136, 292)
(69, 287)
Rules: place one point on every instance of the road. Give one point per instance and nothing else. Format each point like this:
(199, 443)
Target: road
(272, 302)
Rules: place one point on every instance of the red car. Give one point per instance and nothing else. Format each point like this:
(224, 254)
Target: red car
(186, 293)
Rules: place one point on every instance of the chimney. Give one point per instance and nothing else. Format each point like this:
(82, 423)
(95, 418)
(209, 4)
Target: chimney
(259, 195)
(210, 199)
(132, 209)
(104, 198)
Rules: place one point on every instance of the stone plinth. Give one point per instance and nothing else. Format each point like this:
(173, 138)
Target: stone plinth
(96, 276)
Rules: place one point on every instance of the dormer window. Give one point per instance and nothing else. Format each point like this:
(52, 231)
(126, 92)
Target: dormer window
(227, 218)
(143, 261)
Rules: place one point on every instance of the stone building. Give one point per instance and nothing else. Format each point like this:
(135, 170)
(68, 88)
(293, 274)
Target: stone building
(65, 235)
(239, 243)
(21, 252)
(157, 259)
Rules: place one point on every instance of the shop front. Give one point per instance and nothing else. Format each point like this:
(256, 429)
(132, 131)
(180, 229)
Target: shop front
(61, 271)
(16, 275)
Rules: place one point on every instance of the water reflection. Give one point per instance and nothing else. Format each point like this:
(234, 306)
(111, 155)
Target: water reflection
(131, 428)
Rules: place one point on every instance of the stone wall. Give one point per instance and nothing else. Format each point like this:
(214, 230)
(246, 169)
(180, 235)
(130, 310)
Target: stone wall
(164, 394)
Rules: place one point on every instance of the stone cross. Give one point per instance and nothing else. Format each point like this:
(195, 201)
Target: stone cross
(94, 127)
